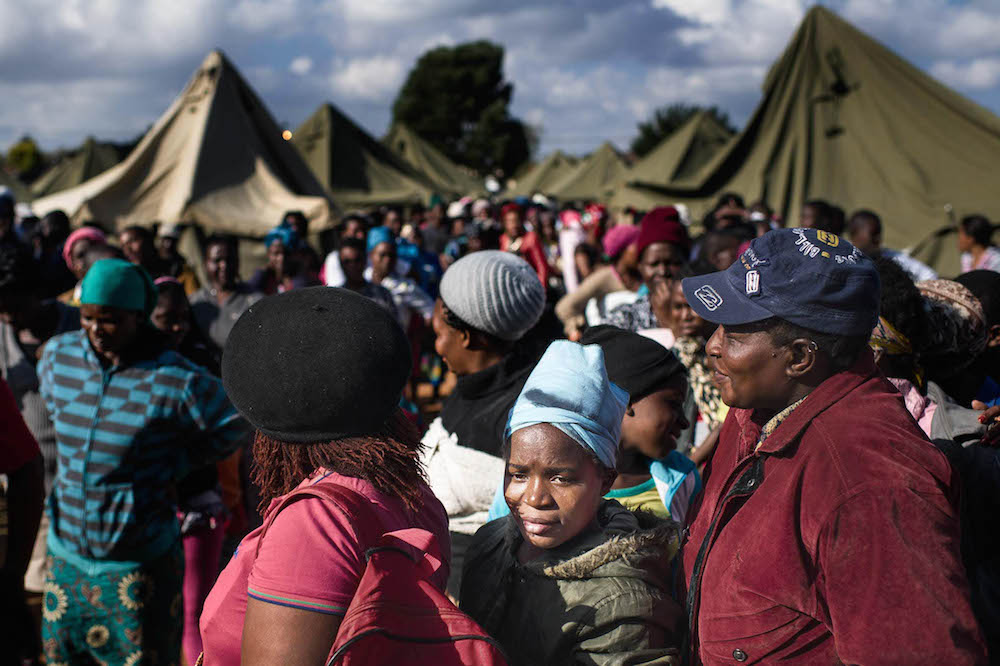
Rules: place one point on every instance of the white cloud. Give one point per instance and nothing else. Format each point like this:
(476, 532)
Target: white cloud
(582, 71)
(705, 11)
(981, 73)
(301, 65)
(375, 78)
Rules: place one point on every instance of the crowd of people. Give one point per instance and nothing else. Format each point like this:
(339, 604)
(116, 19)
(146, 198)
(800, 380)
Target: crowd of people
(659, 440)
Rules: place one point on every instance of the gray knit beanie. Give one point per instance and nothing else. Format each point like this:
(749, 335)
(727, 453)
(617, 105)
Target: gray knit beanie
(495, 292)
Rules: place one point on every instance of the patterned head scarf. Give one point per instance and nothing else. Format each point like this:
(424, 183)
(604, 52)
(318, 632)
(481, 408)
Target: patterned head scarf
(957, 326)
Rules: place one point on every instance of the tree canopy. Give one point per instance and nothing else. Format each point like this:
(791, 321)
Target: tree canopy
(25, 158)
(457, 99)
(666, 120)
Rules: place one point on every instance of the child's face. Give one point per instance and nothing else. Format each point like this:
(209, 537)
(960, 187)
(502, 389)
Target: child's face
(651, 425)
(552, 485)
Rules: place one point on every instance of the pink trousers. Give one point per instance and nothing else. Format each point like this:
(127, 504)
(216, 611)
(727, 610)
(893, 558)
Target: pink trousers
(202, 550)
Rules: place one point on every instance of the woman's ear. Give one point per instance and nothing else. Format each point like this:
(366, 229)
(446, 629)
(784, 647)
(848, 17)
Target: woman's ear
(608, 480)
(467, 341)
(803, 355)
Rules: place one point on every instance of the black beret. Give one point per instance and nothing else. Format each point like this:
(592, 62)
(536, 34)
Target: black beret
(316, 364)
(636, 363)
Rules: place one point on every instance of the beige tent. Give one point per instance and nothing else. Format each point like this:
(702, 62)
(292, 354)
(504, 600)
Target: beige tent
(215, 158)
(356, 169)
(594, 178)
(87, 161)
(448, 178)
(845, 119)
(541, 177)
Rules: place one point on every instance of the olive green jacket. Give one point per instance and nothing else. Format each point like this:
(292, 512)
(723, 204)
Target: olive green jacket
(601, 598)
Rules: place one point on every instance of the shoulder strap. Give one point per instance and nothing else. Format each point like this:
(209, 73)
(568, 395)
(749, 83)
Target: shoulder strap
(363, 518)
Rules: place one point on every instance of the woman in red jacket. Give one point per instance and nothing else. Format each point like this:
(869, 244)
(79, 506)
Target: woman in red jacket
(522, 242)
(827, 530)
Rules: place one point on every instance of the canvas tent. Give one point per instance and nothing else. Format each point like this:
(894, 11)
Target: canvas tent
(89, 160)
(448, 178)
(16, 187)
(682, 153)
(215, 158)
(845, 119)
(542, 176)
(594, 178)
(356, 169)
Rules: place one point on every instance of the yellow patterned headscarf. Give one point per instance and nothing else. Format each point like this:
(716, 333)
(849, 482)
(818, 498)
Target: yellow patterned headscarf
(889, 340)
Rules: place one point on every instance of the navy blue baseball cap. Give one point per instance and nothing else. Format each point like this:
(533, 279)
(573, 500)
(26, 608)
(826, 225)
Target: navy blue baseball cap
(808, 277)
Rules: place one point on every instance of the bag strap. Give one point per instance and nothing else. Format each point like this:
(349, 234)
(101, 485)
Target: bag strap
(419, 545)
(362, 516)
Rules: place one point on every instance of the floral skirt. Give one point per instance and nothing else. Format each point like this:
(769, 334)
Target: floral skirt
(127, 616)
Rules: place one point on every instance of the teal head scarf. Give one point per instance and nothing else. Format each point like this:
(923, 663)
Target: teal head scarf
(119, 284)
(570, 389)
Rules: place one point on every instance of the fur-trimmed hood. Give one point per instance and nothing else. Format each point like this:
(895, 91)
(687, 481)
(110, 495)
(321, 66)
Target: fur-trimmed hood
(629, 543)
(604, 594)
(634, 549)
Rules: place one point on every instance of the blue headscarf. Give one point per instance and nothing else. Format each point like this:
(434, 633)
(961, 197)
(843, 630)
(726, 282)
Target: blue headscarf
(570, 389)
(283, 233)
(378, 235)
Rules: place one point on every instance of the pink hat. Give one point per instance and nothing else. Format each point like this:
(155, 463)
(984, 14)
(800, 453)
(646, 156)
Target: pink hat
(618, 238)
(571, 219)
(83, 233)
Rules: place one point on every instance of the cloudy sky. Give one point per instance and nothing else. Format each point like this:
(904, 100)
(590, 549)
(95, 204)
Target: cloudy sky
(583, 70)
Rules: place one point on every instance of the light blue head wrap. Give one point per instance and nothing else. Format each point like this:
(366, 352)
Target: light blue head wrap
(378, 235)
(283, 233)
(570, 389)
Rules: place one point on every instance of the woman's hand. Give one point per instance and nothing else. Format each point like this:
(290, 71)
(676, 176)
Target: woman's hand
(659, 302)
(990, 417)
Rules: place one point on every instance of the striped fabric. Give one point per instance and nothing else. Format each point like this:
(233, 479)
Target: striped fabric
(124, 435)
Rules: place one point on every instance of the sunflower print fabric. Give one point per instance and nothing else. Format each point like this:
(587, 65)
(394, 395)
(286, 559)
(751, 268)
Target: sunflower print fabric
(128, 616)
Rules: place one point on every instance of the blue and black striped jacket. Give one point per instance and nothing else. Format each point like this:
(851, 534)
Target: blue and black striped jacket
(124, 435)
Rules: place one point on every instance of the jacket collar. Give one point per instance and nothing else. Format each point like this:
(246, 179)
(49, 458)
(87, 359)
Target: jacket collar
(823, 396)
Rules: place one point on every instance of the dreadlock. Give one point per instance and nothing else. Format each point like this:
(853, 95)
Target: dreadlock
(389, 460)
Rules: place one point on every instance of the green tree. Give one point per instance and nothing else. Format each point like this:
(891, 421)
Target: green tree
(25, 158)
(457, 98)
(665, 122)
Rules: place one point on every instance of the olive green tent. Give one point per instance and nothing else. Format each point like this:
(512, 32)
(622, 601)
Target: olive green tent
(448, 178)
(356, 169)
(16, 187)
(845, 119)
(214, 158)
(87, 161)
(683, 153)
(594, 178)
(542, 176)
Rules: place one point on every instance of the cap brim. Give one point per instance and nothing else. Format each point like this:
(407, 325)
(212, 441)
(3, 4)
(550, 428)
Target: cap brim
(716, 300)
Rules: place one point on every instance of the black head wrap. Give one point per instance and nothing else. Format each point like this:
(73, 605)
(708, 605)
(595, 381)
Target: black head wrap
(636, 363)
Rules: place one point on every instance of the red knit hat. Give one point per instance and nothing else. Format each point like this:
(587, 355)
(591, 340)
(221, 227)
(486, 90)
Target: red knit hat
(662, 225)
(511, 208)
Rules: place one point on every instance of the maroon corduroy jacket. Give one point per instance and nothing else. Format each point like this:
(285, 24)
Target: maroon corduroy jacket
(838, 541)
